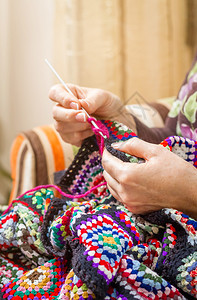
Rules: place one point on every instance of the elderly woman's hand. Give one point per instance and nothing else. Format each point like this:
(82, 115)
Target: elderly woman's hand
(70, 120)
(164, 180)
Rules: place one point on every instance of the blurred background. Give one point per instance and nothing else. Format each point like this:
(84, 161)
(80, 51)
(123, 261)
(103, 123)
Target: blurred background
(125, 46)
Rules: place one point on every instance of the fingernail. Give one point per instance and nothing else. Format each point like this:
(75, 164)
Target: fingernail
(81, 117)
(116, 145)
(74, 105)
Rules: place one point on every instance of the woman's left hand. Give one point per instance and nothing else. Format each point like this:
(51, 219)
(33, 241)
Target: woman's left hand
(164, 180)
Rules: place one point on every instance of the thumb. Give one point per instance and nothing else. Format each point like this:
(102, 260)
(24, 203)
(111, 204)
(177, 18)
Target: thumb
(138, 148)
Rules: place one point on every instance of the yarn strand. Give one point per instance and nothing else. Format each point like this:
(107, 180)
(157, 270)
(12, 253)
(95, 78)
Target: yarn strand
(59, 190)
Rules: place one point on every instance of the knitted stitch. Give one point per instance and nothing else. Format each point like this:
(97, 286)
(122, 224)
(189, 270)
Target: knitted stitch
(54, 248)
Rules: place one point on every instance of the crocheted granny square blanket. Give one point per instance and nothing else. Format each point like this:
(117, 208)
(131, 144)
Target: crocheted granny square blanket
(94, 248)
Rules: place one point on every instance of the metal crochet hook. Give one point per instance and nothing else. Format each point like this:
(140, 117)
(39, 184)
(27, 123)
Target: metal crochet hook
(70, 92)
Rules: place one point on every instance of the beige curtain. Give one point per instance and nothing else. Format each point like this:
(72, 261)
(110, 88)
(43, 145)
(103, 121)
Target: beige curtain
(136, 49)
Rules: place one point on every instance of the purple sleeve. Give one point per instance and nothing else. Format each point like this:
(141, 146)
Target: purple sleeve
(156, 135)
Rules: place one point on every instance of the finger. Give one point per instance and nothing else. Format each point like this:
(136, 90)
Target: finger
(116, 168)
(110, 180)
(63, 114)
(59, 95)
(110, 184)
(114, 194)
(82, 117)
(76, 137)
(138, 148)
(72, 128)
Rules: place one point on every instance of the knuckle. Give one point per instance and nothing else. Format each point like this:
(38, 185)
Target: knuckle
(71, 85)
(161, 149)
(158, 150)
(99, 92)
(52, 91)
(122, 177)
(64, 100)
(124, 197)
(54, 112)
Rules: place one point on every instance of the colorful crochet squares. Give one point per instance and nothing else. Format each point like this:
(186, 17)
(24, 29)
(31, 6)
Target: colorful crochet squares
(62, 249)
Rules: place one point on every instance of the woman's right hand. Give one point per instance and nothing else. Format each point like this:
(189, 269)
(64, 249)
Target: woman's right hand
(70, 120)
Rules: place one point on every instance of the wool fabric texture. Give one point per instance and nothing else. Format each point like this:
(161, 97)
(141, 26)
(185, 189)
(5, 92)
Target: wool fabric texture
(95, 248)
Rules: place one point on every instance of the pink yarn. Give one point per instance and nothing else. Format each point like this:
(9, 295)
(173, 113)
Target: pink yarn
(59, 190)
(97, 131)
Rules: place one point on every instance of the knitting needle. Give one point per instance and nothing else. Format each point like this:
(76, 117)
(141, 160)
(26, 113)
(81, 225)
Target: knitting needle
(70, 92)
